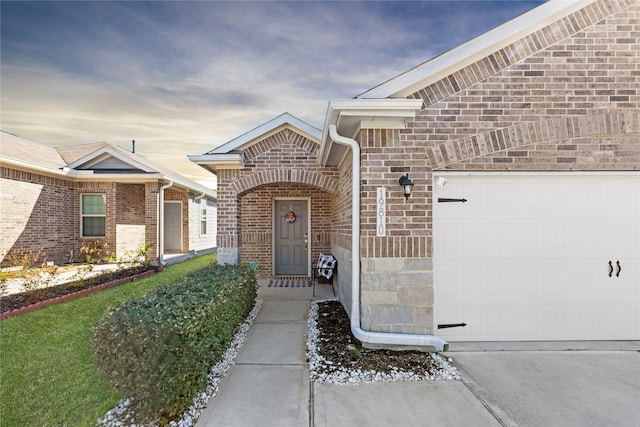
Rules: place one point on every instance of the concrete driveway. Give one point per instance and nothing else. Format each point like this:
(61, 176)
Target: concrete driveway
(554, 384)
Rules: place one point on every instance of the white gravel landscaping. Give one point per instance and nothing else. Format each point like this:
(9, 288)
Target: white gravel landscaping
(123, 416)
(346, 375)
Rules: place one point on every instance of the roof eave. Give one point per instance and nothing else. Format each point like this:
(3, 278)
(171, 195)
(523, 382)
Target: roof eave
(352, 115)
(104, 152)
(32, 167)
(274, 125)
(212, 162)
(90, 176)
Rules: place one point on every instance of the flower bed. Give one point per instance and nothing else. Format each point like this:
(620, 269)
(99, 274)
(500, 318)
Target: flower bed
(25, 302)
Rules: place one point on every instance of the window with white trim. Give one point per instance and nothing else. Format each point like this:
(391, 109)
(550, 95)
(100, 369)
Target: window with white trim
(93, 215)
(203, 217)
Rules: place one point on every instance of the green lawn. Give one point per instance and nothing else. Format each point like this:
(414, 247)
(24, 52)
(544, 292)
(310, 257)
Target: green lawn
(47, 374)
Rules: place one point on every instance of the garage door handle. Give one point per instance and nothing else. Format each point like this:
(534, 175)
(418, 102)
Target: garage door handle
(619, 268)
(610, 268)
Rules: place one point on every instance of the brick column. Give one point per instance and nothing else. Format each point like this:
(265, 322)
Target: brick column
(151, 218)
(228, 218)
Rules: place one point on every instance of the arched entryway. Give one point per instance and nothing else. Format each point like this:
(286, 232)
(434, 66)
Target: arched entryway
(284, 227)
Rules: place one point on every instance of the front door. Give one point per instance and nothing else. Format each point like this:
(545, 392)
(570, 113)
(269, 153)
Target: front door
(290, 240)
(173, 226)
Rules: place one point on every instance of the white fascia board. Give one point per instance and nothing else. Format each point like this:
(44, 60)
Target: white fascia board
(21, 165)
(89, 176)
(192, 186)
(116, 177)
(219, 161)
(178, 181)
(351, 115)
(102, 154)
(370, 110)
(260, 132)
(474, 50)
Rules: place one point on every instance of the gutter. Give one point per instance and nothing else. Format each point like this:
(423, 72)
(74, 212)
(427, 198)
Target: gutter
(387, 338)
(161, 223)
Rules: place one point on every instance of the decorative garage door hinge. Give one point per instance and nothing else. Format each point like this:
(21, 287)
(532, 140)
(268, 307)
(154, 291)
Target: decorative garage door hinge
(452, 325)
(445, 200)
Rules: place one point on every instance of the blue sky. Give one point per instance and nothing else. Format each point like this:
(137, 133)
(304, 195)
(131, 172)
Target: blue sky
(182, 77)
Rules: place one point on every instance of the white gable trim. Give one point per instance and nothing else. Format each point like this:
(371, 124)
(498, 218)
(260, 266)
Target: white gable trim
(103, 153)
(276, 124)
(474, 50)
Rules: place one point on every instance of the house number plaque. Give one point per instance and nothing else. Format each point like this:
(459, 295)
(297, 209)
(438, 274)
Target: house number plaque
(381, 214)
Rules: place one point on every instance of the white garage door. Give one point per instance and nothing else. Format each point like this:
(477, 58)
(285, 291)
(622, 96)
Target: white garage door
(537, 257)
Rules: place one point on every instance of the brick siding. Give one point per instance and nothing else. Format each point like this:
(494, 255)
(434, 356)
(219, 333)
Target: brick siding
(35, 214)
(257, 221)
(130, 202)
(565, 98)
(42, 212)
(280, 165)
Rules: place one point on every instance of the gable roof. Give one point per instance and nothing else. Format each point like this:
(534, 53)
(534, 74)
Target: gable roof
(22, 150)
(506, 44)
(103, 156)
(474, 50)
(229, 154)
(264, 130)
(100, 161)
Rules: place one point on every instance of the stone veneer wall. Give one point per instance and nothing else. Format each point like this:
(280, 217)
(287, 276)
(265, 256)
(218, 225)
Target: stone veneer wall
(565, 98)
(396, 270)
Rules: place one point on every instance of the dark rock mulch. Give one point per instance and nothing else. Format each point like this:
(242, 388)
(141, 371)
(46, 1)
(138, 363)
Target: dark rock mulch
(342, 351)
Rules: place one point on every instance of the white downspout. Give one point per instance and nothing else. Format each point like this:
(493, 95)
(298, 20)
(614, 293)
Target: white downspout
(367, 336)
(161, 223)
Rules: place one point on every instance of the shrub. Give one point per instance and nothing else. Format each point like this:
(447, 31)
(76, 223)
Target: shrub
(95, 251)
(26, 259)
(158, 350)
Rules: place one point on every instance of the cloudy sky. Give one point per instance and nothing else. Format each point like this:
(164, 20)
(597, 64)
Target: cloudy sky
(183, 77)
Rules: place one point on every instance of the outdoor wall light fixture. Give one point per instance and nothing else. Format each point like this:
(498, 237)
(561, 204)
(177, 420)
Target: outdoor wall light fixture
(407, 185)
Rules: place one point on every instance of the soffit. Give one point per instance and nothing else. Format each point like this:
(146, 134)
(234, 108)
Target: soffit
(350, 116)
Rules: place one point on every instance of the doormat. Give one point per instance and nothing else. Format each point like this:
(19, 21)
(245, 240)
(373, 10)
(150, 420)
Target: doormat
(280, 283)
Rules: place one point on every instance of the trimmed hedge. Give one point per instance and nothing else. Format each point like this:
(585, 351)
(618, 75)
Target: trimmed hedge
(158, 350)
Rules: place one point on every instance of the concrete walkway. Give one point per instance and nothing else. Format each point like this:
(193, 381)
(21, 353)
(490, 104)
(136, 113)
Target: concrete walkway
(269, 384)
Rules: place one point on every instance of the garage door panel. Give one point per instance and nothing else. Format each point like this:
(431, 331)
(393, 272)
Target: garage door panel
(526, 258)
(540, 322)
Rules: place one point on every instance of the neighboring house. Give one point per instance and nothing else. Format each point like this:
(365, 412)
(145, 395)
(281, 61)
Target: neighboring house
(536, 124)
(58, 199)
